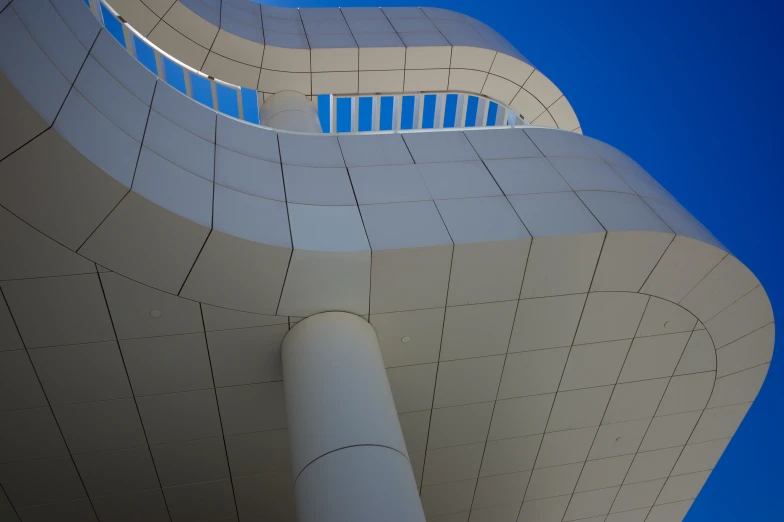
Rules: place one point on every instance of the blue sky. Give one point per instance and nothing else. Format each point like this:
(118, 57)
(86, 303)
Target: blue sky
(692, 91)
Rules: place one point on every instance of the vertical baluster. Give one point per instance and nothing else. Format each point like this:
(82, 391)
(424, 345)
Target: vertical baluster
(438, 118)
(397, 110)
(159, 64)
(333, 114)
(500, 115)
(376, 113)
(214, 90)
(130, 44)
(240, 109)
(188, 83)
(460, 114)
(95, 7)
(354, 114)
(418, 104)
(482, 107)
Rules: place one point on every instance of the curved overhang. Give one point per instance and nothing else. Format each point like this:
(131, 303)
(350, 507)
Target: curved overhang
(552, 238)
(349, 51)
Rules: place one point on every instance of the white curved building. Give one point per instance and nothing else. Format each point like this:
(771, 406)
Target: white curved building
(461, 309)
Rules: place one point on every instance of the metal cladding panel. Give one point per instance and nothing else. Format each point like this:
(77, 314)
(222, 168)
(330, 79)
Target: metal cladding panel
(559, 334)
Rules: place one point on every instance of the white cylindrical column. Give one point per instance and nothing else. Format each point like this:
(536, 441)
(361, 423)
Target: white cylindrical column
(349, 458)
(291, 111)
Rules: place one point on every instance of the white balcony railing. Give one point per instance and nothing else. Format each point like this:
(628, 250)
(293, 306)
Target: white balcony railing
(337, 113)
(412, 111)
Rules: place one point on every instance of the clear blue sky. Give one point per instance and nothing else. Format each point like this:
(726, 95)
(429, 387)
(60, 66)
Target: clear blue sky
(693, 91)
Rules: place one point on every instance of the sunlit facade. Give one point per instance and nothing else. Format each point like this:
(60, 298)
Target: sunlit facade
(324, 265)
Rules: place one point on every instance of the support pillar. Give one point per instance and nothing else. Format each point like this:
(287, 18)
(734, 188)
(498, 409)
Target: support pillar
(349, 458)
(291, 111)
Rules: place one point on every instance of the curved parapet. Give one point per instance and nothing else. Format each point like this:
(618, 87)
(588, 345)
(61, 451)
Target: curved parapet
(612, 344)
(348, 51)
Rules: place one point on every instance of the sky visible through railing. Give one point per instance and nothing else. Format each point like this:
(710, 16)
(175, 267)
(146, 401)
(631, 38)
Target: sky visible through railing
(339, 114)
(416, 111)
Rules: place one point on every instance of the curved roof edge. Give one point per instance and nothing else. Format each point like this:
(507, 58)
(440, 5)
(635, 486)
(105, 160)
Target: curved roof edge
(348, 51)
